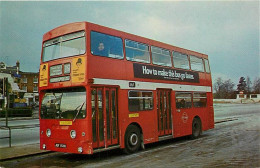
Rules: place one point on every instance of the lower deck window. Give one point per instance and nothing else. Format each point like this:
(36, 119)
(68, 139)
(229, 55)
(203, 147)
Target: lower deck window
(140, 100)
(183, 100)
(199, 99)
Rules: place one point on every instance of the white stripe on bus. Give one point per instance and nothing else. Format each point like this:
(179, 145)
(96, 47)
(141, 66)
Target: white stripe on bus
(124, 84)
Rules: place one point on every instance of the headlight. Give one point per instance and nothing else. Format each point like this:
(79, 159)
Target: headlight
(48, 132)
(73, 134)
(56, 70)
(80, 150)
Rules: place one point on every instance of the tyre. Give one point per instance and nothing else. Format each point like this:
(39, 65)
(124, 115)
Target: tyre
(132, 139)
(196, 128)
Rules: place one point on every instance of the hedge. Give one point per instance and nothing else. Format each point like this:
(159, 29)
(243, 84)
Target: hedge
(17, 112)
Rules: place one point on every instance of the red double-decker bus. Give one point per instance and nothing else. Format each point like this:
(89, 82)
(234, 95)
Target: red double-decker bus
(102, 89)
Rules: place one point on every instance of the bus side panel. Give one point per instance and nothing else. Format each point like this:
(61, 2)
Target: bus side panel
(182, 118)
(105, 68)
(210, 112)
(180, 126)
(183, 127)
(202, 113)
(175, 117)
(147, 120)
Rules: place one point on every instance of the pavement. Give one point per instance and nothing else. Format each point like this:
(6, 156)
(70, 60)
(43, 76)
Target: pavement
(15, 152)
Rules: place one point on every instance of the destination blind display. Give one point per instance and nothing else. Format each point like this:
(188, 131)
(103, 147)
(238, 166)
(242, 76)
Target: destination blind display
(154, 72)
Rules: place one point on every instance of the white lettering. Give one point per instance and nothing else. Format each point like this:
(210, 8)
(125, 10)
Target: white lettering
(189, 76)
(146, 70)
(162, 73)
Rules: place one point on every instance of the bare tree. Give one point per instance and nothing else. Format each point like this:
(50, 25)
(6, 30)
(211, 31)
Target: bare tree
(224, 89)
(218, 87)
(228, 89)
(248, 84)
(256, 85)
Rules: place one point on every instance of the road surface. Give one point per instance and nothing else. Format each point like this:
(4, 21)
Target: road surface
(23, 132)
(233, 143)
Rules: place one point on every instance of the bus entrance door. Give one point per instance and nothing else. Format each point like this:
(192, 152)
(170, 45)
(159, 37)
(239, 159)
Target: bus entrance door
(104, 117)
(164, 112)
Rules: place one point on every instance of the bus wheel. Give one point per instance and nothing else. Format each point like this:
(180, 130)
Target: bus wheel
(196, 128)
(132, 139)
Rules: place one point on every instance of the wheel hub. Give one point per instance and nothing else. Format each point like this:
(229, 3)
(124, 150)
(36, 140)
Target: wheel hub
(133, 139)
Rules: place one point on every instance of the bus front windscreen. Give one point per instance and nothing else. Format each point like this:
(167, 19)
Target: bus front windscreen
(64, 104)
(64, 46)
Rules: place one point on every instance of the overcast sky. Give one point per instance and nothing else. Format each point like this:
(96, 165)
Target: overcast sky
(226, 31)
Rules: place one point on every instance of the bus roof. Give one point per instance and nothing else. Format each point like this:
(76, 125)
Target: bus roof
(78, 26)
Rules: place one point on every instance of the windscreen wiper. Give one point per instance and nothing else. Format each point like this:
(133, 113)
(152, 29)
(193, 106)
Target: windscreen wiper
(78, 111)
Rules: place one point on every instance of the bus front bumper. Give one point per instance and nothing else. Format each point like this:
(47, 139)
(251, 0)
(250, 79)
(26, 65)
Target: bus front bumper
(67, 146)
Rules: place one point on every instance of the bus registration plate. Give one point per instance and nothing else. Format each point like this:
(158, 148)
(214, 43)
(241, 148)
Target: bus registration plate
(57, 145)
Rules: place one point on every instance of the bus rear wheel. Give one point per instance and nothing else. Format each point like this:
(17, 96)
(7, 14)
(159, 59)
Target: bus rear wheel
(196, 128)
(132, 139)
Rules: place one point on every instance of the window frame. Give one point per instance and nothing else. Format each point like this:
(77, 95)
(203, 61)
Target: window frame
(69, 92)
(35, 80)
(138, 49)
(59, 40)
(206, 60)
(24, 80)
(117, 56)
(200, 97)
(35, 89)
(24, 88)
(188, 60)
(198, 58)
(161, 54)
(141, 98)
(185, 107)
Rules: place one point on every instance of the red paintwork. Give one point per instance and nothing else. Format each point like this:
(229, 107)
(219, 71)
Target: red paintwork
(108, 68)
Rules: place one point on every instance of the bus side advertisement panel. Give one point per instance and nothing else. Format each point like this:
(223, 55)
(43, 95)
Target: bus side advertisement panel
(161, 73)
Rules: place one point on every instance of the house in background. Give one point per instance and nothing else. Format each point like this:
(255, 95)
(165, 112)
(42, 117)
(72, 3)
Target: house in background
(14, 91)
(254, 97)
(21, 82)
(29, 84)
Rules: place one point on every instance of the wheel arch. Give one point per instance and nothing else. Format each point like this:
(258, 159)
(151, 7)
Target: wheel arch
(199, 118)
(137, 125)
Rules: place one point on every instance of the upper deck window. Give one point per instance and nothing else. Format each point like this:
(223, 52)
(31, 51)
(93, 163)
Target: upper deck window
(207, 65)
(137, 51)
(196, 64)
(64, 46)
(161, 56)
(180, 60)
(106, 45)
